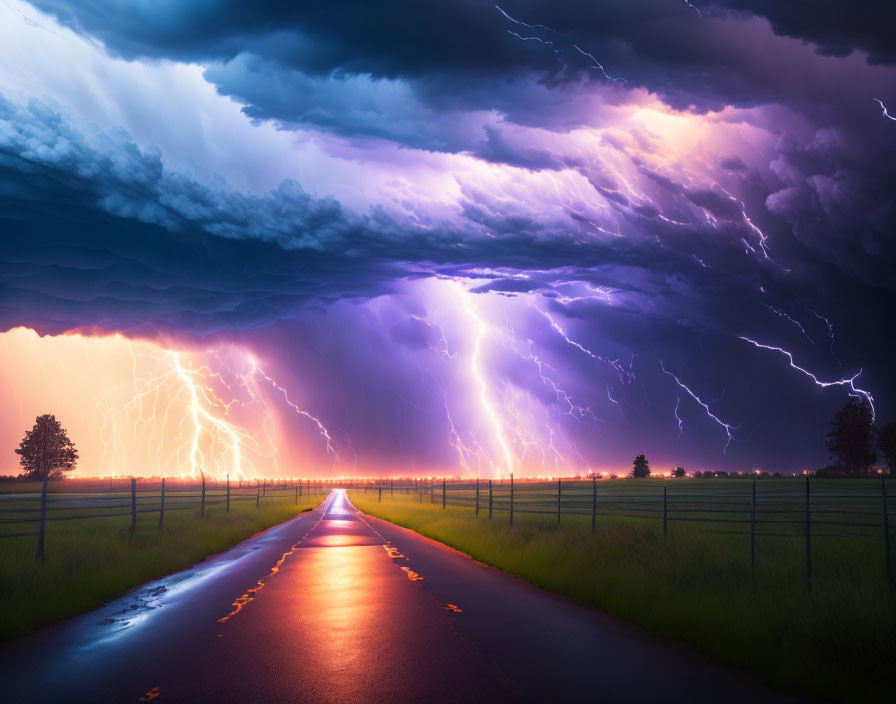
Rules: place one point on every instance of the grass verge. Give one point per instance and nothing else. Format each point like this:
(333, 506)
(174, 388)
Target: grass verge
(93, 560)
(836, 643)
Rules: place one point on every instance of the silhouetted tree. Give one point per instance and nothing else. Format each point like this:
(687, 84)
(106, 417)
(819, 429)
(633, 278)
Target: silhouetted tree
(46, 451)
(851, 437)
(640, 468)
(678, 472)
(886, 443)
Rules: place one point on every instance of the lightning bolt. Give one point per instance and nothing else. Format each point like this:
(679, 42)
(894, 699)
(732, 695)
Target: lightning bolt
(727, 426)
(616, 402)
(784, 315)
(320, 426)
(481, 330)
(200, 415)
(678, 417)
(524, 24)
(594, 62)
(694, 8)
(848, 382)
(573, 409)
(830, 332)
(598, 65)
(624, 376)
(532, 39)
(184, 412)
(884, 108)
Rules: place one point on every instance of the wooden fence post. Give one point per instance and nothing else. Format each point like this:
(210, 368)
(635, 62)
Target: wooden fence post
(392, 490)
(380, 495)
(489, 499)
(511, 498)
(477, 497)
(162, 505)
(593, 504)
(133, 504)
(886, 526)
(202, 500)
(257, 495)
(665, 511)
(753, 527)
(43, 520)
(228, 494)
(443, 494)
(559, 485)
(808, 539)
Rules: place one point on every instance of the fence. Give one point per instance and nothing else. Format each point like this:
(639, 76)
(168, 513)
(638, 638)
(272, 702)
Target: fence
(800, 508)
(26, 513)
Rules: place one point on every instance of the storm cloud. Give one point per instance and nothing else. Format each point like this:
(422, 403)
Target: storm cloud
(736, 183)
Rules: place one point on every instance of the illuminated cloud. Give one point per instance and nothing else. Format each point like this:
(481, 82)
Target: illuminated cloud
(381, 208)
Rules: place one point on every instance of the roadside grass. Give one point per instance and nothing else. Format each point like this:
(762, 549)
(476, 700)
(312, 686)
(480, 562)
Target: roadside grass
(836, 643)
(93, 560)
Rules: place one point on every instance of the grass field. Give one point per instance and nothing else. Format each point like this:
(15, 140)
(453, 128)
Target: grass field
(837, 642)
(91, 560)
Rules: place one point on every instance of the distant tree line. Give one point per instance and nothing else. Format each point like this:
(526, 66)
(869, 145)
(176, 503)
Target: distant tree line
(854, 441)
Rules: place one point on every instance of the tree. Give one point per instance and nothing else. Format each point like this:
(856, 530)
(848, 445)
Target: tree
(46, 451)
(640, 468)
(851, 437)
(678, 472)
(886, 443)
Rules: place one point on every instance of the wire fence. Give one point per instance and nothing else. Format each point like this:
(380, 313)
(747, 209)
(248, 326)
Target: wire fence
(805, 509)
(25, 513)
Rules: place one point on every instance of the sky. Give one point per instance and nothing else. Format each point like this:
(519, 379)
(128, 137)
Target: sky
(418, 238)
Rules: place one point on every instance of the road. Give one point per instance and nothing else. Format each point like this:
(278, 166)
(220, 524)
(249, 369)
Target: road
(337, 606)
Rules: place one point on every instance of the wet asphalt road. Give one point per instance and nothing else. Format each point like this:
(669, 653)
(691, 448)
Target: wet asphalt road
(335, 606)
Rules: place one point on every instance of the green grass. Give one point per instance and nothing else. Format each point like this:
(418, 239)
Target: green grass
(92, 560)
(837, 643)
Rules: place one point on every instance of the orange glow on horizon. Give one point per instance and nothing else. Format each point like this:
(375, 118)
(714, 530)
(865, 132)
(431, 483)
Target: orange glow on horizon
(140, 408)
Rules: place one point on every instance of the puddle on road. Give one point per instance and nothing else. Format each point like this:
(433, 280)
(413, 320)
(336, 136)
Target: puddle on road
(143, 601)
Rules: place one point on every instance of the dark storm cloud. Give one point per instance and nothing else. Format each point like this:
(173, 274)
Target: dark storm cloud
(98, 232)
(838, 27)
(447, 52)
